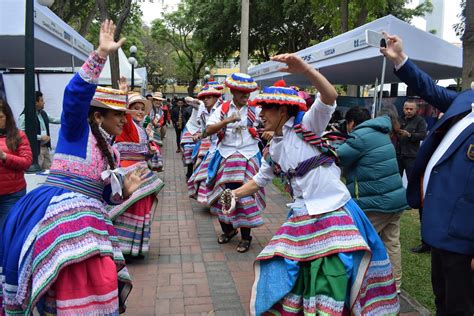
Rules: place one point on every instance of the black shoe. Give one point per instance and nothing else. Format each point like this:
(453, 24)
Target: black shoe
(421, 248)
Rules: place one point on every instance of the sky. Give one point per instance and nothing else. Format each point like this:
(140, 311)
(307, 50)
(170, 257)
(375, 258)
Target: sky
(153, 9)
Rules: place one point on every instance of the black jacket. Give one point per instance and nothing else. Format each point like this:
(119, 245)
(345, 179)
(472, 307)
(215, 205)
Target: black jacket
(407, 147)
(185, 112)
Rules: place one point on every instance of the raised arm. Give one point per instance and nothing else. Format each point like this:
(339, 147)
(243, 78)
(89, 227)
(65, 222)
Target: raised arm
(414, 77)
(317, 118)
(80, 90)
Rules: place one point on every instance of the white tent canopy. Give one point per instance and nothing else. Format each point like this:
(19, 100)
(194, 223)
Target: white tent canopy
(56, 43)
(347, 59)
(125, 70)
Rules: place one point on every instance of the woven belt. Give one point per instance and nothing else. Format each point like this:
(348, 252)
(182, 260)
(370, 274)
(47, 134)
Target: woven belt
(88, 187)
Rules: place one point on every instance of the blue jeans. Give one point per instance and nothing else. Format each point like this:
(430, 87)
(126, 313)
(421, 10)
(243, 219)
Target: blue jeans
(6, 203)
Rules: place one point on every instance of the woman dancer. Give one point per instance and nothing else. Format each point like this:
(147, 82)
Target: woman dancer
(59, 250)
(132, 219)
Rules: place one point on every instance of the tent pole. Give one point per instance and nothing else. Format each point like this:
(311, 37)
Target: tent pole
(382, 80)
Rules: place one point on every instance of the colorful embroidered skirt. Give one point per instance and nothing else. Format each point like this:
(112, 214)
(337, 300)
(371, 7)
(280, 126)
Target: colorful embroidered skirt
(197, 187)
(155, 163)
(48, 230)
(88, 287)
(187, 144)
(328, 264)
(235, 169)
(201, 151)
(132, 219)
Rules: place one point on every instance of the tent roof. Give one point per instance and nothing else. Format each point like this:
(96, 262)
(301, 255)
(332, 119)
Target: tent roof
(56, 43)
(125, 70)
(347, 59)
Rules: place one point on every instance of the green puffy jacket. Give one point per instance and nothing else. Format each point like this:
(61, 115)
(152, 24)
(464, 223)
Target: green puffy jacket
(370, 164)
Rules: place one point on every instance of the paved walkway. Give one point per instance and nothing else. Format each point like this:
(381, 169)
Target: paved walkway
(186, 271)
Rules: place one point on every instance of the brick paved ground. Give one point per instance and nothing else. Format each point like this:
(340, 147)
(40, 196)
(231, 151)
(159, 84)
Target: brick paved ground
(186, 271)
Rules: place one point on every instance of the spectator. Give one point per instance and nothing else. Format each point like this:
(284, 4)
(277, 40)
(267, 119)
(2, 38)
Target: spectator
(15, 158)
(180, 115)
(412, 132)
(442, 181)
(370, 162)
(43, 134)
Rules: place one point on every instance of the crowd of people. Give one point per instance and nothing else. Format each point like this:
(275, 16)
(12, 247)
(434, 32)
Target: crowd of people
(65, 245)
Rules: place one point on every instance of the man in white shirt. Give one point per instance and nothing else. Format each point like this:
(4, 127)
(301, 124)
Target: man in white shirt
(442, 183)
(43, 134)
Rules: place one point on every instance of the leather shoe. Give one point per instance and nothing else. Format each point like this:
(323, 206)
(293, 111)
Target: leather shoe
(421, 248)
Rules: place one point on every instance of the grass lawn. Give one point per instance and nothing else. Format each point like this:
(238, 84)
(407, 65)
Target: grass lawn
(416, 280)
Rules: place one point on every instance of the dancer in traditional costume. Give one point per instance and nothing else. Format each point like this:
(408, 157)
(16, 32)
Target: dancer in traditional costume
(236, 160)
(206, 146)
(59, 250)
(155, 124)
(189, 137)
(326, 259)
(132, 218)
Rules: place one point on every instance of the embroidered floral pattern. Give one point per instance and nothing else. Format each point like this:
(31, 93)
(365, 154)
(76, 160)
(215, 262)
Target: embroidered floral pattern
(92, 67)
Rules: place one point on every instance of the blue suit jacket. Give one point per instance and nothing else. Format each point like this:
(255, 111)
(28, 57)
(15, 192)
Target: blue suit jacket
(448, 206)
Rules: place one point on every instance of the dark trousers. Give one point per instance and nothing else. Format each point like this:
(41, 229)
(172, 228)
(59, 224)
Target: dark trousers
(7, 201)
(453, 283)
(405, 164)
(228, 228)
(178, 136)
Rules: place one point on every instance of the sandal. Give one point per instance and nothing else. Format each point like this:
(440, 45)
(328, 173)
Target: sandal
(244, 245)
(225, 238)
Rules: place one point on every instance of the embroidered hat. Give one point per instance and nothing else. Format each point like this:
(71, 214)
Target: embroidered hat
(206, 91)
(111, 99)
(135, 98)
(241, 82)
(158, 96)
(215, 84)
(280, 94)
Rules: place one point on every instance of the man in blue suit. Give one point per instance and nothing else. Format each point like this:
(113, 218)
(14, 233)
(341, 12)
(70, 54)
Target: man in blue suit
(442, 182)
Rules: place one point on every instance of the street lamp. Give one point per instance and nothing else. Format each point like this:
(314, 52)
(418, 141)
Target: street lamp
(133, 61)
(207, 75)
(31, 121)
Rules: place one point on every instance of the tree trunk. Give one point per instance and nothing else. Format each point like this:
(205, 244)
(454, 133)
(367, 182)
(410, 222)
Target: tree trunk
(468, 47)
(192, 85)
(344, 16)
(113, 57)
(85, 25)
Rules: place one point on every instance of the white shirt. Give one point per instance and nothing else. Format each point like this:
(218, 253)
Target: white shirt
(446, 142)
(237, 137)
(203, 112)
(193, 125)
(320, 190)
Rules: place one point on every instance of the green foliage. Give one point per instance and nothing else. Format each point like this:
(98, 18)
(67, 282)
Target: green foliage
(460, 27)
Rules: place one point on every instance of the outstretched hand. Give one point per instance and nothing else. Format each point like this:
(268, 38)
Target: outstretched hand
(123, 84)
(133, 181)
(394, 49)
(107, 44)
(294, 63)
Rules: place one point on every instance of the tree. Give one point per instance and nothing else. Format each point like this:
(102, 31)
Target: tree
(179, 30)
(468, 45)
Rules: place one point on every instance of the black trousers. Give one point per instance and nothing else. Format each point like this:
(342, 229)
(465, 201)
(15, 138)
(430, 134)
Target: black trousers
(178, 136)
(405, 164)
(453, 283)
(228, 228)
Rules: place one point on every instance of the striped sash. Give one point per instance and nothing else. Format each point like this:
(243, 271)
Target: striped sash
(65, 180)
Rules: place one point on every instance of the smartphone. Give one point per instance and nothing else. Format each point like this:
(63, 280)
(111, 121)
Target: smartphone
(375, 39)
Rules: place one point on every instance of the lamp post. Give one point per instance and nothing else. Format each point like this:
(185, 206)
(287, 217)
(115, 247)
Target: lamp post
(133, 61)
(207, 75)
(31, 121)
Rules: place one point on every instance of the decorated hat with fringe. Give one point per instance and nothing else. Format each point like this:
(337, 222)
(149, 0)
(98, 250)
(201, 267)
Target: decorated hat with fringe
(111, 99)
(241, 82)
(215, 84)
(137, 98)
(206, 91)
(280, 94)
